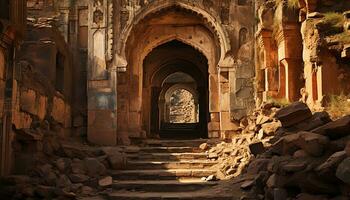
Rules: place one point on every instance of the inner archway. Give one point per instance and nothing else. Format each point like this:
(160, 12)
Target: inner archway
(175, 68)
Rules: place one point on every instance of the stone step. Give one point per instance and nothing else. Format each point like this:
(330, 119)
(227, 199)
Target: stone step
(182, 164)
(125, 195)
(176, 143)
(184, 185)
(160, 174)
(167, 156)
(182, 149)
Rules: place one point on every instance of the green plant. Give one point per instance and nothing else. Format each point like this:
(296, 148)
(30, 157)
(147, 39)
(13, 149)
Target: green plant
(338, 105)
(292, 4)
(281, 102)
(334, 19)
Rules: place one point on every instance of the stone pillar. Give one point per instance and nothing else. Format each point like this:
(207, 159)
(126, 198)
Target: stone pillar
(227, 126)
(269, 67)
(102, 118)
(290, 56)
(214, 107)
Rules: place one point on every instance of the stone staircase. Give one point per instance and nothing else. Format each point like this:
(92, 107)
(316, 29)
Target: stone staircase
(165, 169)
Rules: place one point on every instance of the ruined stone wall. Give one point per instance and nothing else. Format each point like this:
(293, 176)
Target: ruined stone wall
(41, 84)
(70, 18)
(302, 51)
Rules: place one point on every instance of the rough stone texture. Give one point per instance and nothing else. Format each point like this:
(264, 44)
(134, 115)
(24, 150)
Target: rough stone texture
(333, 161)
(105, 182)
(336, 129)
(293, 114)
(343, 171)
(311, 143)
(256, 148)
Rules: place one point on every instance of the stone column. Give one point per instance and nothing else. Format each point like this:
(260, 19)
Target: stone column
(269, 67)
(102, 118)
(214, 106)
(227, 126)
(290, 56)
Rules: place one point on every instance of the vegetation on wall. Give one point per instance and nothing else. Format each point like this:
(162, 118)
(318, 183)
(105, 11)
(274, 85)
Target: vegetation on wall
(293, 4)
(338, 105)
(331, 23)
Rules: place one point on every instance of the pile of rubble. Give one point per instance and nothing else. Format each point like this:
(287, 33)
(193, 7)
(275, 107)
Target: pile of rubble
(68, 171)
(307, 157)
(256, 130)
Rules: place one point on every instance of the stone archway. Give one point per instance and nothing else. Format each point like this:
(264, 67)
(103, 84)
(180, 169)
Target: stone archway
(155, 85)
(157, 28)
(192, 129)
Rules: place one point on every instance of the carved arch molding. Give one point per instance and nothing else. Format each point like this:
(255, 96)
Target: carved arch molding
(212, 22)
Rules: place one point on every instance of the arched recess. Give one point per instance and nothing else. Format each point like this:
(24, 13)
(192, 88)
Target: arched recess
(208, 20)
(155, 89)
(165, 103)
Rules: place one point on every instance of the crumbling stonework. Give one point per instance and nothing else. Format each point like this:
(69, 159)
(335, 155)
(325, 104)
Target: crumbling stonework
(301, 51)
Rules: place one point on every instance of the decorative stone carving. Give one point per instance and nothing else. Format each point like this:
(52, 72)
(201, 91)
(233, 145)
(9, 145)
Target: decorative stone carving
(110, 29)
(98, 17)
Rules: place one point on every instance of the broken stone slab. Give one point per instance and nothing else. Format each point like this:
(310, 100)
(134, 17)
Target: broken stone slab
(204, 146)
(247, 184)
(105, 182)
(211, 178)
(257, 148)
(318, 119)
(343, 171)
(336, 129)
(262, 119)
(332, 162)
(295, 166)
(312, 143)
(293, 114)
(213, 156)
(314, 15)
(270, 128)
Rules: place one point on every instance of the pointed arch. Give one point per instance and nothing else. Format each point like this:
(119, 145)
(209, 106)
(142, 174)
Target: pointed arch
(211, 22)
